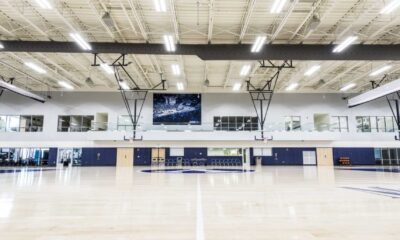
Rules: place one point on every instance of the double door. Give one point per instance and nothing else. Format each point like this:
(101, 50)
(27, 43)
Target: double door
(158, 156)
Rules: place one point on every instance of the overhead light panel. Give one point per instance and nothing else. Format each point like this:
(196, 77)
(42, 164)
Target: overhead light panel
(1, 46)
(160, 5)
(375, 93)
(81, 42)
(390, 7)
(236, 87)
(35, 67)
(245, 70)
(20, 91)
(180, 86)
(257, 45)
(124, 85)
(380, 70)
(278, 6)
(44, 4)
(347, 87)
(345, 44)
(312, 70)
(107, 68)
(65, 85)
(176, 70)
(292, 87)
(169, 43)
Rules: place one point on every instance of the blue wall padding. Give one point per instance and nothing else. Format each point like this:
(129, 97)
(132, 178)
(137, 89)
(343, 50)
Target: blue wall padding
(142, 157)
(358, 156)
(286, 156)
(99, 156)
(52, 157)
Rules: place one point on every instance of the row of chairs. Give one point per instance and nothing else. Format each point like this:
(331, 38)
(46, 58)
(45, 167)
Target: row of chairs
(226, 162)
(212, 162)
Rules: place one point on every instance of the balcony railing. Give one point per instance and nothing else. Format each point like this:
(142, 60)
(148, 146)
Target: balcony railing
(210, 127)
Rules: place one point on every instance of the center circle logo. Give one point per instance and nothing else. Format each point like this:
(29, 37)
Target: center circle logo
(181, 170)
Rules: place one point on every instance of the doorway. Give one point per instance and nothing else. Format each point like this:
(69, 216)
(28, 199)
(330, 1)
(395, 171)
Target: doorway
(321, 122)
(158, 156)
(309, 158)
(101, 123)
(246, 157)
(125, 157)
(325, 156)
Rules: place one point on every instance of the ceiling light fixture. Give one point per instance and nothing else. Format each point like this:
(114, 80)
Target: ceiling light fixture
(180, 86)
(176, 70)
(35, 67)
(375, 93)
(380, 70)
(107, 68)
(292, 87)
(236, 87)
(169, 43)
(1, 46)
(278, 6)
(160, 5)
(390, 7)
(257, 45)
(245, 70)
(81, 42)
(44, 4)
(345, 44)
(347, 87)
(312, 70)
(65, 85)
(124, 85)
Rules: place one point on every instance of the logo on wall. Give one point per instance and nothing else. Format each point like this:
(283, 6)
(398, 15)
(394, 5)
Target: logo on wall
(181, 170)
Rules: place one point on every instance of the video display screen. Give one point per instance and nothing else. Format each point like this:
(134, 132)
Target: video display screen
(176, 109)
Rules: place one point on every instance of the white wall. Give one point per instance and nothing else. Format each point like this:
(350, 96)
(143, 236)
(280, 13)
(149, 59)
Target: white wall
(213, 104)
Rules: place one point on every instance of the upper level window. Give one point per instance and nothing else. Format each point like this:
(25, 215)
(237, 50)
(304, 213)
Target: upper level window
(74, 123)
(235, 123)
(339, 124)
(25, 123)
(375, 124)
(31, 123)
(293, 123)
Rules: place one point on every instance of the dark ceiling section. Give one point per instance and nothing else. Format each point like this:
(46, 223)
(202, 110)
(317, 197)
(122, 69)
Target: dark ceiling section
(219, 51)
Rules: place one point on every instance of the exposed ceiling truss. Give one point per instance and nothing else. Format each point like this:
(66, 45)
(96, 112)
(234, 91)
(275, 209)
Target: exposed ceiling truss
(193, 24)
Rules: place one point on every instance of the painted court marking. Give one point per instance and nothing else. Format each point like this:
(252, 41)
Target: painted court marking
(197, 170)
(392, 170)
(199, 213)
(387, 192)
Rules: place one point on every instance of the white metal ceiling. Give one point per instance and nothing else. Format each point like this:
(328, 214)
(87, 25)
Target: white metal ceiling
(192, 21)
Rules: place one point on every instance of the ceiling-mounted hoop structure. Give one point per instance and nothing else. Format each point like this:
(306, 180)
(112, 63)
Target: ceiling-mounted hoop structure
(133, 98)
(261, 97)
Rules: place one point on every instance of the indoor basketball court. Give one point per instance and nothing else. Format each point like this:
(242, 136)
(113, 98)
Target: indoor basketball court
(199, 119)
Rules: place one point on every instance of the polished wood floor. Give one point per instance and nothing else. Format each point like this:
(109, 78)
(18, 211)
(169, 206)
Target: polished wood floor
(273, 203)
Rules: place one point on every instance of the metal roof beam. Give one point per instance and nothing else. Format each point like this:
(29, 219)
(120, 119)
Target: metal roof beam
(219, 51)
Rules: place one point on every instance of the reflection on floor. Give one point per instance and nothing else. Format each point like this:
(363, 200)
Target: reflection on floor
(269, 203)
(24, 169)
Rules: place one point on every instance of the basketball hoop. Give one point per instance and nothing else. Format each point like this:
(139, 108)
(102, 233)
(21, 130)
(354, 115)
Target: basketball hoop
(131, 139)
(265, 139)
